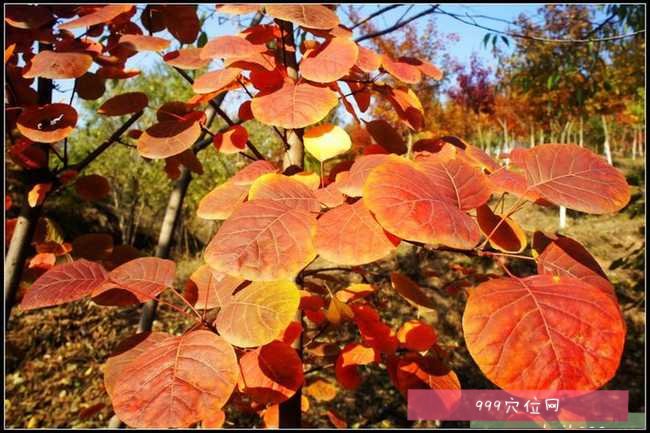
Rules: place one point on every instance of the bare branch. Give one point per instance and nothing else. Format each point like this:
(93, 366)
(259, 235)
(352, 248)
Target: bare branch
(537, 38)
(374, 14)
(398, 25)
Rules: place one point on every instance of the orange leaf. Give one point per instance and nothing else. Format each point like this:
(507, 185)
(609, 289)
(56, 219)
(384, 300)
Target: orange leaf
(573, 176)
(331, 61)
(544, 332)
(168, 138)
(229, 46)
(221, 202)
(368, 60)
(56, 66)
(321, 390)
(336, 420)
(276, 244)
(216, 81)
(352, 185)
(103, 14)
(194, 374)
(186, 58)
(286, 190)
(349, 235)
(294, 105)
(306, 15)
(144, 43)
(407, 203)
(209, 288)
(401, 70)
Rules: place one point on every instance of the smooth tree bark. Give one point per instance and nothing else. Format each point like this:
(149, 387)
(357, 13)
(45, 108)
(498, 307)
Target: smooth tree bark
(19, 246)
(606, 145)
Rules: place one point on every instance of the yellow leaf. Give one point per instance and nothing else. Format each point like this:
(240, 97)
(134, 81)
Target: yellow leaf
(326, 141)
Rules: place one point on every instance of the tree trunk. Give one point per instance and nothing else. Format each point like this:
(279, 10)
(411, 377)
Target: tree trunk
(541, 136)
(18, 251)
(532, 135)
(581, 133)
(634, 140)
(562, 217)
(606, 148)
(290, 415)
(26, 224)
(174, 206)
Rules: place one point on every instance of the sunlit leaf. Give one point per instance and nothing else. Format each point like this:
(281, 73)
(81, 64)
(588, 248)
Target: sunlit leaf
(294, 105)
(326, 141)
(406, 202)
(229, 46)
(103, 14)
(275, 243)
(186, 58)
(573, 176)
(144, 42)
(329, 62)
(544, 332)
(258, 313)
(349, 235)
(231, 141)
(220, 203)
(312, 16)
(207, 288)
(215, 81)
(285, 190)
(55, 66)
(352, 185)
(168, 138)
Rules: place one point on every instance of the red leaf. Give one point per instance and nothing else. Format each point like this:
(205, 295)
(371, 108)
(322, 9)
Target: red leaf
(416, 335)
(144, 43)
(233, 140)
(103, 14)
(48, 123)
(186, 58)
(64, 283)
(216, 81)
(352, 185)
(92, 187)
(230, 46)
(125, 103)
(386, 136)
(272, 373)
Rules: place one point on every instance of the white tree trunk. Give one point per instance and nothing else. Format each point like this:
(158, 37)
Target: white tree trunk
(532, 135)
(562, 217)
(581, 133)
(607, 149)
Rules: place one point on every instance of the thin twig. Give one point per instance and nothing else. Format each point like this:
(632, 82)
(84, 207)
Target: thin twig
(375, 14)
(397, 25)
